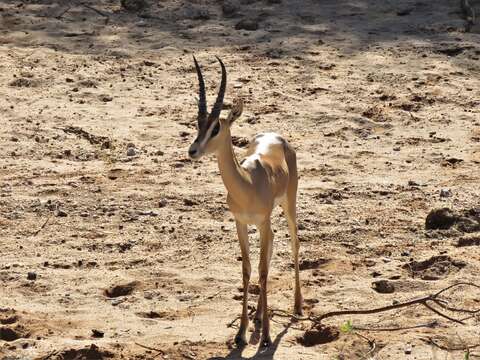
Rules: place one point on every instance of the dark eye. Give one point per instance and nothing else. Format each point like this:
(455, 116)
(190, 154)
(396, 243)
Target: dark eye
(215, 130)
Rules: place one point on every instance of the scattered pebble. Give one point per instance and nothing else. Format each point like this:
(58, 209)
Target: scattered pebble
(60, 213)
(247, 24)
(32, 276)
(97, 333)
(383, 286)
(133, 5)
(131, 151)
(444, 193)
(230, 8)
(105, 98)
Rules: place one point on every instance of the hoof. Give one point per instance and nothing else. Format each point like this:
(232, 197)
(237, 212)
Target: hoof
(266, 342)
(240, 340)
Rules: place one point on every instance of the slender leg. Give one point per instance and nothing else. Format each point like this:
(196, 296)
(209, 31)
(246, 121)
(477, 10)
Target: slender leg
(266, 240)
(290, 213)
(241, 338)
(259, 311)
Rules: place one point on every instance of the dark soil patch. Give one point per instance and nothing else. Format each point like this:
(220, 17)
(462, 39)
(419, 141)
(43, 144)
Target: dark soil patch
(90, 353)
(319, 335)
(469, 241)
(23, 82)
(308, 264)
(434, 268)
(92, 139)
(12, 334)
(8, 316)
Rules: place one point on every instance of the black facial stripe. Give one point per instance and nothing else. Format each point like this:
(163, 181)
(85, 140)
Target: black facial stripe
(215, 130)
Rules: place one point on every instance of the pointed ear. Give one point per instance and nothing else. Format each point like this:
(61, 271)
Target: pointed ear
(235, 111)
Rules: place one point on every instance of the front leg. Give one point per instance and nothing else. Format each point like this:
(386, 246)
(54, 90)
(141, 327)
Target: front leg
(241, 338)
(266, 246)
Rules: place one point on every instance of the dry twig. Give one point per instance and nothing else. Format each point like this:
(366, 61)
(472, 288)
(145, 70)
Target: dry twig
(99, 12)
(425, 301)
(151, 348)
(43, 225)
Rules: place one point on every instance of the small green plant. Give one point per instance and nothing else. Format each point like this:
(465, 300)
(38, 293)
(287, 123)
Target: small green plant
(467, 355)
(346, 327)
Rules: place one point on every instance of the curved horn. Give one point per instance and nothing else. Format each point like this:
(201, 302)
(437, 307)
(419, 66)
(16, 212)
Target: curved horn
(217, 107)
(202, 101)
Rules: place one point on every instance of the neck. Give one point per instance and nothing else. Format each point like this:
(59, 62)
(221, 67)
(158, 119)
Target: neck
(234, 177)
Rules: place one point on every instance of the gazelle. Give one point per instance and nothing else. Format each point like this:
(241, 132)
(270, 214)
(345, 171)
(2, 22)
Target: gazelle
(267, 177)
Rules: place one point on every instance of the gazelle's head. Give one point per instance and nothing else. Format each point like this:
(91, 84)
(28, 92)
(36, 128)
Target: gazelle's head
(211, 130)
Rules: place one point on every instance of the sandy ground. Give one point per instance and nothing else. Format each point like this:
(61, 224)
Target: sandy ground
(380, 99)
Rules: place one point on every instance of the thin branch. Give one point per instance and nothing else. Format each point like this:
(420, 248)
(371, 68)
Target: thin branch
(150, 348)
(231, 323)
(440, 292)
(420, 301)
(442, 314)
(430, 341)
(43, 225)
(99, 12)
(446, 307)
(63, 12)
(431, 324)
(373, 311)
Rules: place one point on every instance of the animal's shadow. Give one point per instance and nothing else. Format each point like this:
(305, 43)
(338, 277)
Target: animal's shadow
(264, 354)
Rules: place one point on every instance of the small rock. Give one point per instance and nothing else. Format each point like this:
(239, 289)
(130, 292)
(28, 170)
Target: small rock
(444, 193)
(383, 286)
(413, 183)
(162, 203)
(97, 333)
(443, 219)
(133, 5)
(189, 202)
(408, 349)
(60, 213)
(195, 13)
(404, 12)
(32, 276)
(247, 24)
(230, 8)
(131, 151)
(106, 98)
(148, 63)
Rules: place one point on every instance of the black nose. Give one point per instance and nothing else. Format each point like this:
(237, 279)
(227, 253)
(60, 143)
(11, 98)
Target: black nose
(192, 152)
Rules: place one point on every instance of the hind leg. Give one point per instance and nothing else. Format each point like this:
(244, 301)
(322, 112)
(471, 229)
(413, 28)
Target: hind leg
(289, 209)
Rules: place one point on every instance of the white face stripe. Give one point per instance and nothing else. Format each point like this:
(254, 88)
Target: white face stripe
(208, 134)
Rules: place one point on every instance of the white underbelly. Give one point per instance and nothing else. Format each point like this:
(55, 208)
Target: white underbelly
(255, 218)
(249, 218)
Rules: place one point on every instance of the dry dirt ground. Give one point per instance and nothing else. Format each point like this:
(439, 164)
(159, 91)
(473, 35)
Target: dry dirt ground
(381, 100)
